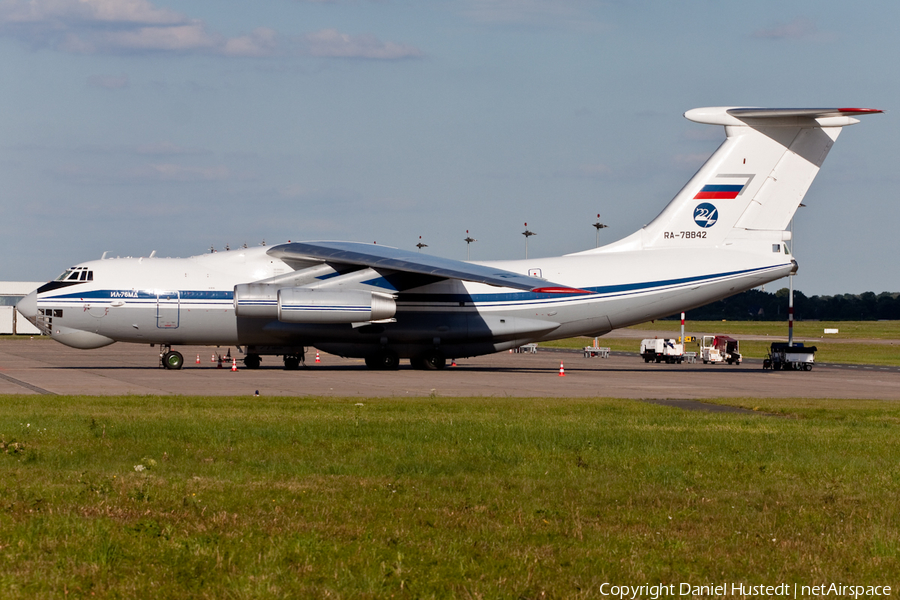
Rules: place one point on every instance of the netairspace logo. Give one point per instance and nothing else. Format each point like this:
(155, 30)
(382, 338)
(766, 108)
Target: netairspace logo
(782, 590)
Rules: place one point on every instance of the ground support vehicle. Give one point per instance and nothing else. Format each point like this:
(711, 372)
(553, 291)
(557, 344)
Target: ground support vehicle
(783, 357)
(720, 348)
(668, 350)
(592, 351)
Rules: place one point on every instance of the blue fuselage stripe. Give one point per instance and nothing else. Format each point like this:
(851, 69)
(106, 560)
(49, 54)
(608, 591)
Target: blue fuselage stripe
(190, 298)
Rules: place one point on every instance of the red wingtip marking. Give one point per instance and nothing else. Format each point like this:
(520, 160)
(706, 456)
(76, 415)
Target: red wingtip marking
(861, 110)
(559, 290)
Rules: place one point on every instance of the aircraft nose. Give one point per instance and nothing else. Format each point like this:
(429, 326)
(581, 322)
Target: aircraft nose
(28, 306)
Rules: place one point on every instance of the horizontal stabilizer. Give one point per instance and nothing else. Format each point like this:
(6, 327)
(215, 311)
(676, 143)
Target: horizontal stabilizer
(774, 117)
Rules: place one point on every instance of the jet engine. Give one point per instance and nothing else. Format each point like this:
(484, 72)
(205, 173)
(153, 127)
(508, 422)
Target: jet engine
(306, 305)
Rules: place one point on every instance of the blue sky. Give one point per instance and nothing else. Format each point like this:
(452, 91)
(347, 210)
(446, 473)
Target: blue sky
(137, 125)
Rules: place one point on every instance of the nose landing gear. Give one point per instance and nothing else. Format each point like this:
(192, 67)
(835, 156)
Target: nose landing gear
(169, 358)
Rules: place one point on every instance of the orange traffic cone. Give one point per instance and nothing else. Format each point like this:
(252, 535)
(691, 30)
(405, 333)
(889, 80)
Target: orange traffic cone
(213, 358)
(198, 359)
(453, 363)
(317, 356)
(562, 370)
(233, 365)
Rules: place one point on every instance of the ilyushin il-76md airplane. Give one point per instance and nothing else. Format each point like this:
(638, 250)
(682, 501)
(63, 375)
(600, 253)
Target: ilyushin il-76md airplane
(723, 233)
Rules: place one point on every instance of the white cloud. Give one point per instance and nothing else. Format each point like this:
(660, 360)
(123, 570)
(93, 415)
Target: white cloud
(167, 149)
(138, 26)
(330, 43)
(92, 174)
(595, 170)
(689, 160)
(566, 13)
(175, 38)
(120, 26)
(173, 172)
(69, 11)
(261, 42)
(109, 82)
(798, 29)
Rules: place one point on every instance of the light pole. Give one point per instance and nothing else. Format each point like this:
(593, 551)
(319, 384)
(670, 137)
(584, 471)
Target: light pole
(469, 239)
(791, 288)
(598, 226)
(527, 235)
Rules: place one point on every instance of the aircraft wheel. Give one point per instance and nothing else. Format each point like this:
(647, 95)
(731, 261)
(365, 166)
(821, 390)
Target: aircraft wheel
(385, 360)
(252, 361)
(291, 363)
(173, 360)
(434, 360)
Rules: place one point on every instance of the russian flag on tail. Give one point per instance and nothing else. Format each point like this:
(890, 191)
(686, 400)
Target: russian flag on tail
(719, 191)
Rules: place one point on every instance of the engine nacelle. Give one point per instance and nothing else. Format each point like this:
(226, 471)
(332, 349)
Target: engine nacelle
(256, 300)
(304, 305)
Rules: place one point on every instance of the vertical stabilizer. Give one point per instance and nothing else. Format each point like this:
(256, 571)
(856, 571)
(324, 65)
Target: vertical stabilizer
(755, 180)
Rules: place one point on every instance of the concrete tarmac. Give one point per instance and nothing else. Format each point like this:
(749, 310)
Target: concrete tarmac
(41, 366)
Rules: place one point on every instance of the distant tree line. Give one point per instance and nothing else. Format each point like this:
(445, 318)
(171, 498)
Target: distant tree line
(754, 305)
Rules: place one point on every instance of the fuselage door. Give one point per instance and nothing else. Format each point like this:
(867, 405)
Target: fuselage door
(168, 305)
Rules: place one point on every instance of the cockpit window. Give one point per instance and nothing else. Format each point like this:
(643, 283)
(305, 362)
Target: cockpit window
(76, 274)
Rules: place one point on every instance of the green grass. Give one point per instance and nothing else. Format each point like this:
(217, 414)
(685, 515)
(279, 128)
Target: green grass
(845, 352)
(876, 330)
(883, 354)
(420, 498)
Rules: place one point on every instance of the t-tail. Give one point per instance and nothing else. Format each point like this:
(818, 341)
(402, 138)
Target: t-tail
(752, 185)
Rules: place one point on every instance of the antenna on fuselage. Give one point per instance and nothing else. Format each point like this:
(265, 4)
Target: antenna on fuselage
(598, 225)
(527, 235)
(469, 239)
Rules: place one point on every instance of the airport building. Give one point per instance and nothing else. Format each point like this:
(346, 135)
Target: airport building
(11, 320)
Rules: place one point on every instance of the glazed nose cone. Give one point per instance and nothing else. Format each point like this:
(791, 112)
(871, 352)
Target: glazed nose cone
(28, 306)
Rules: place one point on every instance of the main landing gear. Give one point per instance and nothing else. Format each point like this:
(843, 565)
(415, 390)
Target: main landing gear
(384, 360)
(430, 361)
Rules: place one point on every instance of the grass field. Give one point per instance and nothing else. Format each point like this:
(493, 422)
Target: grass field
(177, 497)
(845, 352)
(852, 352)
(875, 330)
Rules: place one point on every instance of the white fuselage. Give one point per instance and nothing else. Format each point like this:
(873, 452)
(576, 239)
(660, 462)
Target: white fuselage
(724, 232)
(174, 301)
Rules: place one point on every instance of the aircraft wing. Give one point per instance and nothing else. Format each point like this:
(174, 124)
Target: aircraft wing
(385, 258)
